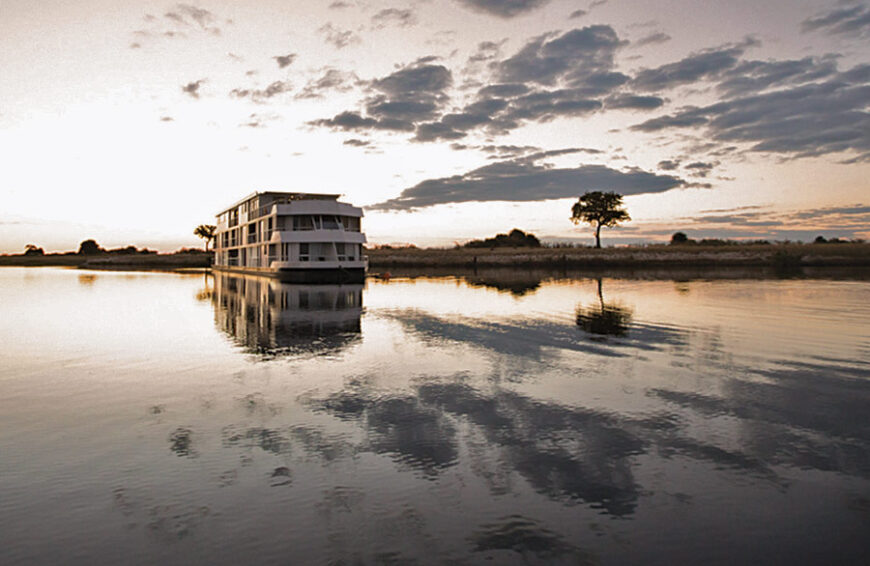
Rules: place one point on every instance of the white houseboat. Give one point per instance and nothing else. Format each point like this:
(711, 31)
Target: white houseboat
(299, 237)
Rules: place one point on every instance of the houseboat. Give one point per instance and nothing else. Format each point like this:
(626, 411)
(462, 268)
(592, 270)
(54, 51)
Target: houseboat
(298, 237)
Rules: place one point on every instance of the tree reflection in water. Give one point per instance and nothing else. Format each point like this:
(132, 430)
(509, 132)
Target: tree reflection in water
(271, 318)
(604, 319)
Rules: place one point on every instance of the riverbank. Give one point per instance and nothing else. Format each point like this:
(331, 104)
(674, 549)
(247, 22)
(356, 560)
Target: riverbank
(175, 261)
(655, 256)
(635, 257)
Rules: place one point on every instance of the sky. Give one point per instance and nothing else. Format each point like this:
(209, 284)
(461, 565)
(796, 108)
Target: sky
(132, 122)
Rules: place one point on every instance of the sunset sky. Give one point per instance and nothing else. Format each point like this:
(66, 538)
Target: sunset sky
(133, 121)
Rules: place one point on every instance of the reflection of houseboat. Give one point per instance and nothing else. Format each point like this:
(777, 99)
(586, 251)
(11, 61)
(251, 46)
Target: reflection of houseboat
(270, 316)
(300, 237)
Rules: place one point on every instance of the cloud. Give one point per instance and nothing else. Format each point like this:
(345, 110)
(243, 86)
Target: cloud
(486, 51)
(848, 20)
(256, 120)
(668, 165)
(167, 119)
(706, 64)
(805, 120)
(189, 15)
(634, 102)
(339, 5)
(503, 8)
(339, 38)
(757, 76)
(804, 224)
(410, 95)
(700, 168)
(652, 39)
(284, 60)
(357, 142)
(571, 57)
(414, 79)
(552, 76)
(524, 179)
(262, 95)
(577, 14)
(393, 17)
(178, 22)
(352, 121)
(433, 131)
(330, 80)
(192, 89)
(509, 90)
(859, 214)
(544, 106)
(685, 119)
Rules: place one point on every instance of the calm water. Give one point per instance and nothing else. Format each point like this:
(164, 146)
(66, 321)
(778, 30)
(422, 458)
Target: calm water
(163, 418)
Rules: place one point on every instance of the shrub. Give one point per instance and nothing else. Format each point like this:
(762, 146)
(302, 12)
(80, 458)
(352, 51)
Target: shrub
(679, 238)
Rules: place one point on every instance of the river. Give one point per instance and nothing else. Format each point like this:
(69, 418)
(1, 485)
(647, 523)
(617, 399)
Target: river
(508, 417)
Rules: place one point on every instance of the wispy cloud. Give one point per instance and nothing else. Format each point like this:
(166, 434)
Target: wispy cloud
(181, 21)
(261, 95)
(339, 38)
(846, 20)
(652, 39)
(329, 80)
(402, 18)
(257, 120)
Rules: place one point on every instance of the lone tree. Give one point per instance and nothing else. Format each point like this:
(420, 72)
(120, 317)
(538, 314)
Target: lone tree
(679, 238)
(599, 209)
(206, 232)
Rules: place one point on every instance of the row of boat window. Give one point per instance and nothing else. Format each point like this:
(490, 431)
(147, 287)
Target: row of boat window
(301, 222)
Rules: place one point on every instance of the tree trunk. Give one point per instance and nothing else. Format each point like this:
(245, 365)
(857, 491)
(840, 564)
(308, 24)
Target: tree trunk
(598, 236)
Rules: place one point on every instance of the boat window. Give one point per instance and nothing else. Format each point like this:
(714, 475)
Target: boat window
(303, 223)
(351, 224)
(329, 223)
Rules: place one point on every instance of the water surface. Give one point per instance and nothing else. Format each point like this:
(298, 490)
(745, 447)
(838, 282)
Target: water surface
(504, 417)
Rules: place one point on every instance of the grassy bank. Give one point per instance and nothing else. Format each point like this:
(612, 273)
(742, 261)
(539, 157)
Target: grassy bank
(112, 261)
(777, 255)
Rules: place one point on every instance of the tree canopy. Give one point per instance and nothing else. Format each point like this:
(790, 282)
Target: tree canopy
(90, 247)
(516, 239)
(206, 232)
(599, 209)
(33, 249)
(679, 238)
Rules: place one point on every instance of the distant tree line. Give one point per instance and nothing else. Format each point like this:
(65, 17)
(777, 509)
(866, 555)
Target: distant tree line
(91, 247)
(515, 239)
(681, 239)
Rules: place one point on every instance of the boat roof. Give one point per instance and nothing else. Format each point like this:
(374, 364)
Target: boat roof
(289, 195)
